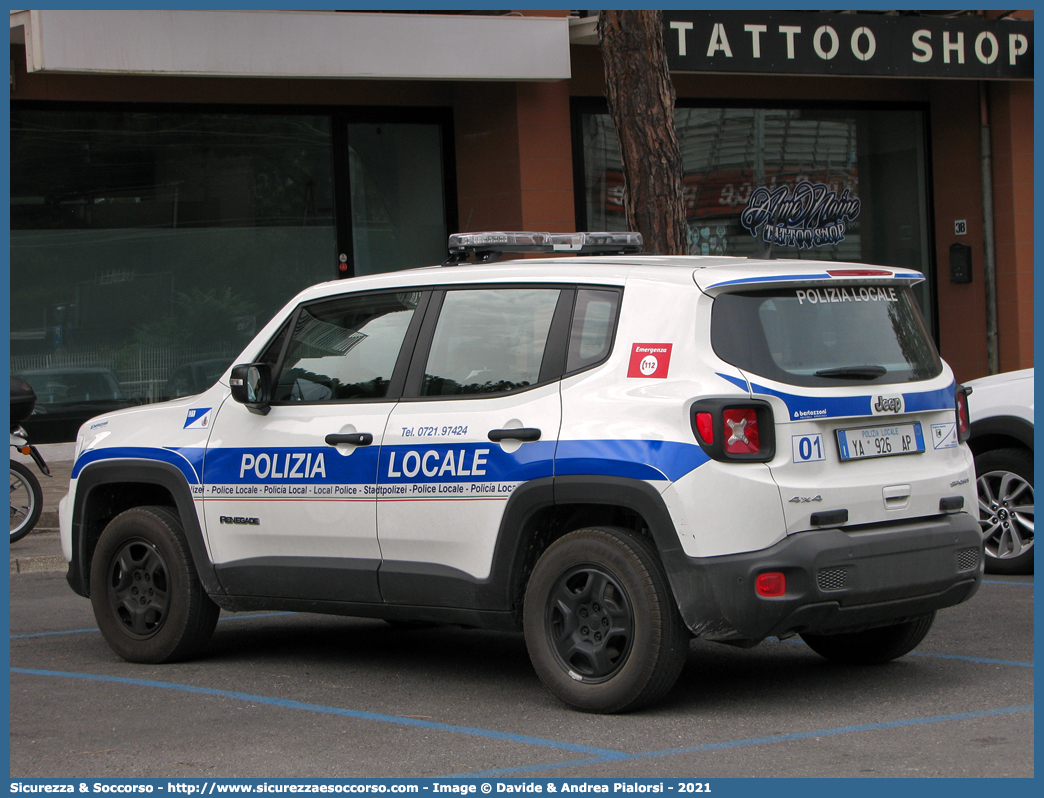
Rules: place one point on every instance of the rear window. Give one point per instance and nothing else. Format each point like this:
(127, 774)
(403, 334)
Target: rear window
(825, 336)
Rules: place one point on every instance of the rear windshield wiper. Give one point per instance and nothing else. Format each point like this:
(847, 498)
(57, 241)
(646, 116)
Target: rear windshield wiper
(853, 372)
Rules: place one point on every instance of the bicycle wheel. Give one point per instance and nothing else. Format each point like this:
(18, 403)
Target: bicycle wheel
(26, 501)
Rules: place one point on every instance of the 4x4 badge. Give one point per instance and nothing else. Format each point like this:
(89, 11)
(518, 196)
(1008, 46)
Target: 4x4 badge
(805, 499)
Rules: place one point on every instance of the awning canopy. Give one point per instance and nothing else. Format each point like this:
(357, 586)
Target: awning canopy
(294, 44)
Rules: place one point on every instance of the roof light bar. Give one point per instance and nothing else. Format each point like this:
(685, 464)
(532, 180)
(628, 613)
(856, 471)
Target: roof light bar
(488, 246)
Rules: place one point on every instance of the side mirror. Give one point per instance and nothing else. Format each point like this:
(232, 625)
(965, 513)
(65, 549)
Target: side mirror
(251, 385)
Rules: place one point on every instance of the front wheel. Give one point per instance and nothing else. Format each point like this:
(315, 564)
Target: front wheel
(872, 646)
(601, 626)
(147, 598)
(26, 501)
(1004, 478)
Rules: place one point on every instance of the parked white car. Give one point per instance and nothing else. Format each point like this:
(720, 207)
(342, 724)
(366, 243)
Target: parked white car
(1001, 408)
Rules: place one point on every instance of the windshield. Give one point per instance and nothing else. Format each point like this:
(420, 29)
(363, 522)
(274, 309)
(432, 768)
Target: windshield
(825, 336)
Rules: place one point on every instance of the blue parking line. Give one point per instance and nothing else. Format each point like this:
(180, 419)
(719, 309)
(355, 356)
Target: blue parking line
(999, 582)
(965, 658)
(96, 629)
(775, 738)
(981, 660)
(600, 754)
(51, 634)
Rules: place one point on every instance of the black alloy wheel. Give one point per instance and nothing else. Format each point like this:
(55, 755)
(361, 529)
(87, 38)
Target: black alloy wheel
(590, 622)
(147, 597)
(602, 626)
(138, 588)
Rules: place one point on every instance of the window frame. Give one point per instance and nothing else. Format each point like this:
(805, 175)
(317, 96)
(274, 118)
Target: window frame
(556, 349)
(402, 360)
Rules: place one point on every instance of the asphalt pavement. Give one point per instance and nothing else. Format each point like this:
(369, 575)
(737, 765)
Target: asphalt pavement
(296, 695)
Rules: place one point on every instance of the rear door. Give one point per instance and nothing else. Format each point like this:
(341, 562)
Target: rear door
(480, 416)
(864, 408)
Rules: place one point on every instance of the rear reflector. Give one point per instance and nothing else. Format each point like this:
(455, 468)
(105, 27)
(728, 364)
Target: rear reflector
(705, 426)
(771, 585)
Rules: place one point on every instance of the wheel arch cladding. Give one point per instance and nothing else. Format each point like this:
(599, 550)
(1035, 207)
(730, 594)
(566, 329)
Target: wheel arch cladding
(1000, 432)
(540, 512)
(105, 489)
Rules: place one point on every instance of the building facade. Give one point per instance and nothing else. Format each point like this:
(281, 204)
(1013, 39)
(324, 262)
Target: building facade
(177, 176)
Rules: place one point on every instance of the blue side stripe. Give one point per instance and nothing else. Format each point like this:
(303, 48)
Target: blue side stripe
(775, 278)
(188, 460)
(655, 460)
(803, 408)
(780, 278)
(635, 459)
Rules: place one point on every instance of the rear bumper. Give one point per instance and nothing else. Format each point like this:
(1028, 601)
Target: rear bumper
(837, 580)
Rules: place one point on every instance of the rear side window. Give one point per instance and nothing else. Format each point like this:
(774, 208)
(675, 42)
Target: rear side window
(489, 340)
(825, 336)
(594, 322)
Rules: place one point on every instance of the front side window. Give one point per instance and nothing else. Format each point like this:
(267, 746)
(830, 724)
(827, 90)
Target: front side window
(833, 336)
(345, 349)
(489, 341)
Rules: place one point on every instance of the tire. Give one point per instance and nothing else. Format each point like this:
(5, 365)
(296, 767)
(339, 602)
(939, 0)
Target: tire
(147, 597)
(602, 628)
(1004, 478)
(26, 501)
(873, 646)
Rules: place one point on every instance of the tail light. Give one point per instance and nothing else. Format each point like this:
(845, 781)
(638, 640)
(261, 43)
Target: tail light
(741, 426)
(963, 417)
(731, 429)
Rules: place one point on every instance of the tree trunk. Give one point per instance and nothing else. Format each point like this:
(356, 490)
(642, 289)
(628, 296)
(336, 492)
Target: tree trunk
(641, 102)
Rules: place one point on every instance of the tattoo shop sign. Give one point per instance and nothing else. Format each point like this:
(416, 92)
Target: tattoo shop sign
(805, 215)
(789, 43)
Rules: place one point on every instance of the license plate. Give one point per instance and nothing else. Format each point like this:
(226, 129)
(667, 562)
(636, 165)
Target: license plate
(881, 441)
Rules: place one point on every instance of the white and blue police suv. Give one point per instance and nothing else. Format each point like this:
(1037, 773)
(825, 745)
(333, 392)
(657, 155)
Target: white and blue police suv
(612, 453)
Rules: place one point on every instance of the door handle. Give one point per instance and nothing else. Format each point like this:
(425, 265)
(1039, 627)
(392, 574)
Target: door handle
(518, 434)
(358, 438)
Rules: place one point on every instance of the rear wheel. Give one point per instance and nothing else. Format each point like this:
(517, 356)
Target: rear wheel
(601, 625)
(872, 646)
(147, 597)
(1004, 479)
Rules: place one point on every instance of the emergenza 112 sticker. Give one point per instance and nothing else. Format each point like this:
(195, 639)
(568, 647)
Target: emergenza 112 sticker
(650, 360)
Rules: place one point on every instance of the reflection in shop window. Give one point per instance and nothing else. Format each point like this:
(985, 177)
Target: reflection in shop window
(155, 245)
(874, 156)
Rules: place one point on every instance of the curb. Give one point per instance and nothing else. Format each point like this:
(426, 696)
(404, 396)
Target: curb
(38, 552)
(29, 565)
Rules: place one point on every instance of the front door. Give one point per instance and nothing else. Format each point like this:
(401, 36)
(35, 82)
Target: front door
(290, 496)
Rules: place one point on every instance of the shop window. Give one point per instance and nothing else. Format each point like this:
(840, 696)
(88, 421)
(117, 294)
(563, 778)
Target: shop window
(870, 162)
(398, 213)
(154, 244)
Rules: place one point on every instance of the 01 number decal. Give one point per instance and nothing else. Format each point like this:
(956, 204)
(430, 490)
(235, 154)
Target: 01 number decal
(808, 448)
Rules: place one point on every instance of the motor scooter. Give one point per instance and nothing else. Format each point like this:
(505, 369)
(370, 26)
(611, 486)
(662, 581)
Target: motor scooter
(26, 493)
